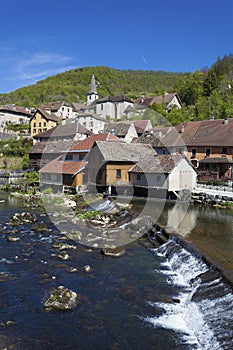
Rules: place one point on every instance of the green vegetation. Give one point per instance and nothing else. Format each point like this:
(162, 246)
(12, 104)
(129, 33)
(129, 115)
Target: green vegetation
(13, 147)
(87, 215)
(204, 93)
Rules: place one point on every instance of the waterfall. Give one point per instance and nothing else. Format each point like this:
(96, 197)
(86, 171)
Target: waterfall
(202, 312)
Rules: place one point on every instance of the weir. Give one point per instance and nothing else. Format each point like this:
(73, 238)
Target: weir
(202, 312)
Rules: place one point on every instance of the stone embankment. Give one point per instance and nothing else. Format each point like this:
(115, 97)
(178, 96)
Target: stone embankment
(212, 197)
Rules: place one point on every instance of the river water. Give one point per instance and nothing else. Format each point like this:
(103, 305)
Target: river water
(162, 298)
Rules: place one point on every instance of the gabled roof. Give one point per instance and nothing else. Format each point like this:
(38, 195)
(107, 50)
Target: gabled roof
(120, 129)
(67, 130)
(123, 152)
(87, 144)
(77, 106)
(142, 123)
(113, 99)
(51, 147)
(15, 110)
(208, 133)
(147, 101)
(46, 115)
(59, 166)
(53, 106)
(157, 164)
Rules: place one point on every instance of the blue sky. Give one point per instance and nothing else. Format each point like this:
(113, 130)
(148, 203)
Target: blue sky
(46, 37)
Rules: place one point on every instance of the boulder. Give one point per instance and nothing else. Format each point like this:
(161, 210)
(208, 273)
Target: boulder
(113, 252)
(61, 298)
(22, 218)
(40, 227)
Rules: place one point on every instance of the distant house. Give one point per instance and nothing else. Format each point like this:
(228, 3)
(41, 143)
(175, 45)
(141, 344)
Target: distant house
(69, 170)
(169, 100)
(42, 121)
(142, 126)
(124, 130)
(61, 109)
(12, 114)
(109, 163)
(93, 122)
(170, 173)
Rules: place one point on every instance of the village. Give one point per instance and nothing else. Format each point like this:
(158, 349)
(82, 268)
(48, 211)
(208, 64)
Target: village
(106, 146)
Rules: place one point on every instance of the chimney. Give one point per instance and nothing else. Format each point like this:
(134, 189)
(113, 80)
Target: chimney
(225, 122)
(212, 117)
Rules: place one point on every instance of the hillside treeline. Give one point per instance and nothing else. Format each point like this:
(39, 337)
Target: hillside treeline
(206, 92)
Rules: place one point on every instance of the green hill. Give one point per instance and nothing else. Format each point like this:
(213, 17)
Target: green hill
(73, 85)
(204, 93)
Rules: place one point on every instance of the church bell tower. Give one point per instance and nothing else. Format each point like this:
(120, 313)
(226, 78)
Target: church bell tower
(92, 94)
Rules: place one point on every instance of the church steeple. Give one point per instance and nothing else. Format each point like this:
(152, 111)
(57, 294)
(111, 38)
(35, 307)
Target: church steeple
(92, 95)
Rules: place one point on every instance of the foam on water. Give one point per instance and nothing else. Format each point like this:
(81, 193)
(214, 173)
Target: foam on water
(202, 313)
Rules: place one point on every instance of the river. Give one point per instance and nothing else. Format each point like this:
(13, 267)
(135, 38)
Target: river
(150, 298)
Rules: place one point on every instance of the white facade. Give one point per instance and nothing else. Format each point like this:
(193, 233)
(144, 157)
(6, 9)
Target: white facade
(91, 122)
(182, 176)
(64, 112)
(111, 110)
(10, 118)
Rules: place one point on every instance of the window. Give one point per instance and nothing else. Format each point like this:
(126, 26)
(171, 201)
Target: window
(44, 129)
(45, 124)
(180, 150)
(91, 124)
(207, 152)
(34, 131)
(102, 106)
(139, 176)
(69, 157)
(39, 130)
(81, 156)
(39, 124)
(164, 151)
(34, 124)
(224, 150)
(194, 152)
(118, 173)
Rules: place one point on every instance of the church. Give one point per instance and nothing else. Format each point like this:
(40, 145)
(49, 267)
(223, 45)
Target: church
(108, 107)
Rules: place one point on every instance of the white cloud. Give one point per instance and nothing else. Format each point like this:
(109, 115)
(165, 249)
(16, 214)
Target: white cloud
(22, 69)
(41, 58)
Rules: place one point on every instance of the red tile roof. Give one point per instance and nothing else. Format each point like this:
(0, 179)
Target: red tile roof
(59, 166)
(89, 141)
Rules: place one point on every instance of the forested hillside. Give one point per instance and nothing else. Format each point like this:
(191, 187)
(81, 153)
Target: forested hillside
(204, 93)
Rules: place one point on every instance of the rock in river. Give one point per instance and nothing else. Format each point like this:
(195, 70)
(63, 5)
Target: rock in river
(22, 218)
(61, 298)
(114, 252)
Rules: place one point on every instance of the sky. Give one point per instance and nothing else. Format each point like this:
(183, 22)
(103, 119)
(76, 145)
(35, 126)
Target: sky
(43, 38)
